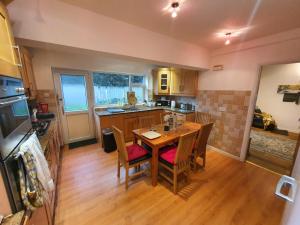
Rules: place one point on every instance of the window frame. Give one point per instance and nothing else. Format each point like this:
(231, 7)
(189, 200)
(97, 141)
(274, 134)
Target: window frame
(131, 85)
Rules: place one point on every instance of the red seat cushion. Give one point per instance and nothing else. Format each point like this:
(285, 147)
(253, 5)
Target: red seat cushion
(135, 151)
(168, 154)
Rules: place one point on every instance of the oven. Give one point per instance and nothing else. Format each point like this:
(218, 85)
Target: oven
(15, 127)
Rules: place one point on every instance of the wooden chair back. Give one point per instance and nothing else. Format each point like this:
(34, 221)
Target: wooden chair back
(185, 148)
(202, 138)
(203, 118)
(121, 146)
(162, 116)
(146, 121)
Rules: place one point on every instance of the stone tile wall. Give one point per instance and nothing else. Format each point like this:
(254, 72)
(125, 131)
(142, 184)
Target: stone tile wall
(228, 131)
(49, 97)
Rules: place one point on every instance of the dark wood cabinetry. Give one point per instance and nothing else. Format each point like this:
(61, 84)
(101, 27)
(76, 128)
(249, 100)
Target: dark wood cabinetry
(178, 82)
(51, 144)
(9, 59)
(27, 73)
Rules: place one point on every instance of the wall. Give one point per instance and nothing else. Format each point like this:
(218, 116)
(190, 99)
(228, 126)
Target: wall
(286, 114)
(52, 21)
(242, 65)
(44, 60)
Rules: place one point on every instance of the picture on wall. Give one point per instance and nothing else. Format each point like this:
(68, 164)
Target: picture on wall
(282, 89)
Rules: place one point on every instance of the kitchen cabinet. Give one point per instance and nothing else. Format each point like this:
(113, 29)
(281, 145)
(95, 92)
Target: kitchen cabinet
(28, 74)
(184, 82)
(51, 143)
(162, 81)
(130, 124)
(38, 217)
(125, 122)
(179, 82)
(9, 60)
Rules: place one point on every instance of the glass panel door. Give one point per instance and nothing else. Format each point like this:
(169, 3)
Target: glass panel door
(74, 93)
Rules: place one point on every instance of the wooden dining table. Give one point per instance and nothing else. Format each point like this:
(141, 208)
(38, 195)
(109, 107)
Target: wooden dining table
(167, 137)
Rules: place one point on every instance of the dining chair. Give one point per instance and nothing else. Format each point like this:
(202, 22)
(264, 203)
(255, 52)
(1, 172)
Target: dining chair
(203, 117)
(146, 121)
(132, 156)
(176, 159)
(199, 150)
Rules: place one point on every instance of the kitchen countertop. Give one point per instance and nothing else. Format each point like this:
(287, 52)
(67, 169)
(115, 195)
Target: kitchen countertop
(44, 140)
(144, 109)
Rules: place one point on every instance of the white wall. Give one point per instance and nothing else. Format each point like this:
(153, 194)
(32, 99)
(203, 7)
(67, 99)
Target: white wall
(286, 114)
(44, 60)
(242, 66)
(56, 22)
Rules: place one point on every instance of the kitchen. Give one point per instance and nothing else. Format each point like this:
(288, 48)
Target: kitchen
(83, 90)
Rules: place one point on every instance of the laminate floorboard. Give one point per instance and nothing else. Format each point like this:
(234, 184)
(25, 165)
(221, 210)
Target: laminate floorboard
(226, 192)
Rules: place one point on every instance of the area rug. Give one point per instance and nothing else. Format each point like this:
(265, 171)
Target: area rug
(281, 147)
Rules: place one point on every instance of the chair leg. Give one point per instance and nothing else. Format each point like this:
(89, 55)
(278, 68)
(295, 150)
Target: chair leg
(204, 159)
(188, 174)
(175, 180)
(150, 168)
(127, 176)
(119, 167)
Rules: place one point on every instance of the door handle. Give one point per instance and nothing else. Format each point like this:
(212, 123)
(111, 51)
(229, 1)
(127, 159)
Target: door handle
(292, 193)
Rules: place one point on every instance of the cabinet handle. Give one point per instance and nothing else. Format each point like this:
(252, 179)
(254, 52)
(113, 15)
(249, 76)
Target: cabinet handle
(19, 54)
(283, 181)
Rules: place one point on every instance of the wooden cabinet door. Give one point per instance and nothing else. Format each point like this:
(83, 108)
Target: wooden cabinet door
(130, 124)
(155, 81)
(146, 121)
(157, 115)
(27, 74)
(177, 86)
(190, 82)
(164, 78)
(190, 117)
(8, 56)
(39, 217)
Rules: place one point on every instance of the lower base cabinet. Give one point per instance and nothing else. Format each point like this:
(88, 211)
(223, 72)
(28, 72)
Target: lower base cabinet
(130, 121)
(46, 214)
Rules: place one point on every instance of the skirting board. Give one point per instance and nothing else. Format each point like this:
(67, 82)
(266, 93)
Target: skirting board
(223, 153)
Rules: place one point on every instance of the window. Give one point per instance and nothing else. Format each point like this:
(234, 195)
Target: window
(74, 100)
(112, 88)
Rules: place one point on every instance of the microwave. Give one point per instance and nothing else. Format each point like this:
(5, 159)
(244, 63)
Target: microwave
(163, 103)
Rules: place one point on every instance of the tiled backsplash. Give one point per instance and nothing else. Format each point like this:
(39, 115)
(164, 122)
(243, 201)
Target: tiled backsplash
(49, 97)
(229, 109)
(178, 99)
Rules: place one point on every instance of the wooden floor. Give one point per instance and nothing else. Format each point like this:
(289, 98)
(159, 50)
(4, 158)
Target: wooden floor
(227, 192)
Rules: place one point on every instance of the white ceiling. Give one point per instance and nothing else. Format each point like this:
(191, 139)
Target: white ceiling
(199, 21)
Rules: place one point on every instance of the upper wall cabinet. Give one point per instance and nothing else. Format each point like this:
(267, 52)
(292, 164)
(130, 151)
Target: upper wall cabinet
(179, 82)
(161, 81)
(27, 74)
(9, 60)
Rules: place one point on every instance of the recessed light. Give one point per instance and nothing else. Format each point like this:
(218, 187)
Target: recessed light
(228, 35)
(174, 9)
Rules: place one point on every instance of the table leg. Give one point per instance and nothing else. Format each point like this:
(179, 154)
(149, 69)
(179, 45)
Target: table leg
(135, 139)
(154, 167)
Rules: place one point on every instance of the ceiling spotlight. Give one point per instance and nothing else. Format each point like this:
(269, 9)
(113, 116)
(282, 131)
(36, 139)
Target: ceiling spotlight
(174, 9)
(227, 35)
